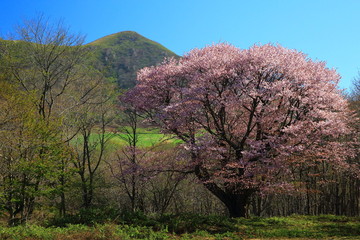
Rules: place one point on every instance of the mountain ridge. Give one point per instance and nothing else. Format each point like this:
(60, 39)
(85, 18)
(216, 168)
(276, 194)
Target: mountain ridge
(120, 55)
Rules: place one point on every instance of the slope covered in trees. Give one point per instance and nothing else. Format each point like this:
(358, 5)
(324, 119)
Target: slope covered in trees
(122, 54)
(119, 56)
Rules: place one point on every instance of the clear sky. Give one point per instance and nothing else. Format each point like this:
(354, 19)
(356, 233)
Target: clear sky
(326, 30)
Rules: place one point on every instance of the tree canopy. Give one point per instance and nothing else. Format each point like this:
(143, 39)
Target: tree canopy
(248, 118)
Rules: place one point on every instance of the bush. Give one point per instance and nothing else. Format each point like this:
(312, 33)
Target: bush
(89, 216)
(189, 223)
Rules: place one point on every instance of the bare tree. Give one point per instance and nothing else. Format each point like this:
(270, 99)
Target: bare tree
(355, 91)
(45, 58)
(93, 121)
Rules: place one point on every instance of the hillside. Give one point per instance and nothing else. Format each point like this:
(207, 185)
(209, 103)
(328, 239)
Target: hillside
(122, 54)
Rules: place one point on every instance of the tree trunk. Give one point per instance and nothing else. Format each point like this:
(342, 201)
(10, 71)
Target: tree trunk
(234, 198)
(62, 207)
(85, 192)
(236, 203)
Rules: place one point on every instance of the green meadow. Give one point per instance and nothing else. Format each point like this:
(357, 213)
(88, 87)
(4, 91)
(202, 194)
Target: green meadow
(147, 138)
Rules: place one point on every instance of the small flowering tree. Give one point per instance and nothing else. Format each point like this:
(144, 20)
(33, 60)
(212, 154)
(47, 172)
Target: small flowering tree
(145, 170)
(247, 117)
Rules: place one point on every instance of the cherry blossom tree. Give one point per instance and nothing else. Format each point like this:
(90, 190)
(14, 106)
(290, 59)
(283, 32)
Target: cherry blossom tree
(248, 118)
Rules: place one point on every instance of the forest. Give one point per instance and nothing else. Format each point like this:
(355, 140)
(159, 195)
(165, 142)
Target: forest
(261, 133)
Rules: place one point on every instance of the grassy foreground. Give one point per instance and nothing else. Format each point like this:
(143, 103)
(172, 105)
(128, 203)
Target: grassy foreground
(199, 227)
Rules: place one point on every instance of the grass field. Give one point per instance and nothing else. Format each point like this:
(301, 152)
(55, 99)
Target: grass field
(147, 138)
(189, 226)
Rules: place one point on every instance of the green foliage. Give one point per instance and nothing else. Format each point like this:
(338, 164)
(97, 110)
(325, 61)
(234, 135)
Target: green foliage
(30, 151)
(73, 232)
(191, 226)
(86, 216)
(323, 226)
(188, 223)
(135, 218)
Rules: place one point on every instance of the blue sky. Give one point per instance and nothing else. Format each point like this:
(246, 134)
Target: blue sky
(326, 30)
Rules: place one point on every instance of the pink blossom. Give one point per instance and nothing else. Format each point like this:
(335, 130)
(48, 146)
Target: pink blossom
(248, 116)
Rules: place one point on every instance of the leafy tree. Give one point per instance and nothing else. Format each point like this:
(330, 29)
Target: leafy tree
(248, 117)
(49, 64)
(29, 153)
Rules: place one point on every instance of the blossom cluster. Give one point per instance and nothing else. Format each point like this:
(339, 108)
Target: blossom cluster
(248, 116)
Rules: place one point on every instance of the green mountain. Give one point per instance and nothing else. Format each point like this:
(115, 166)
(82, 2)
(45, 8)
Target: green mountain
(122, 54)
